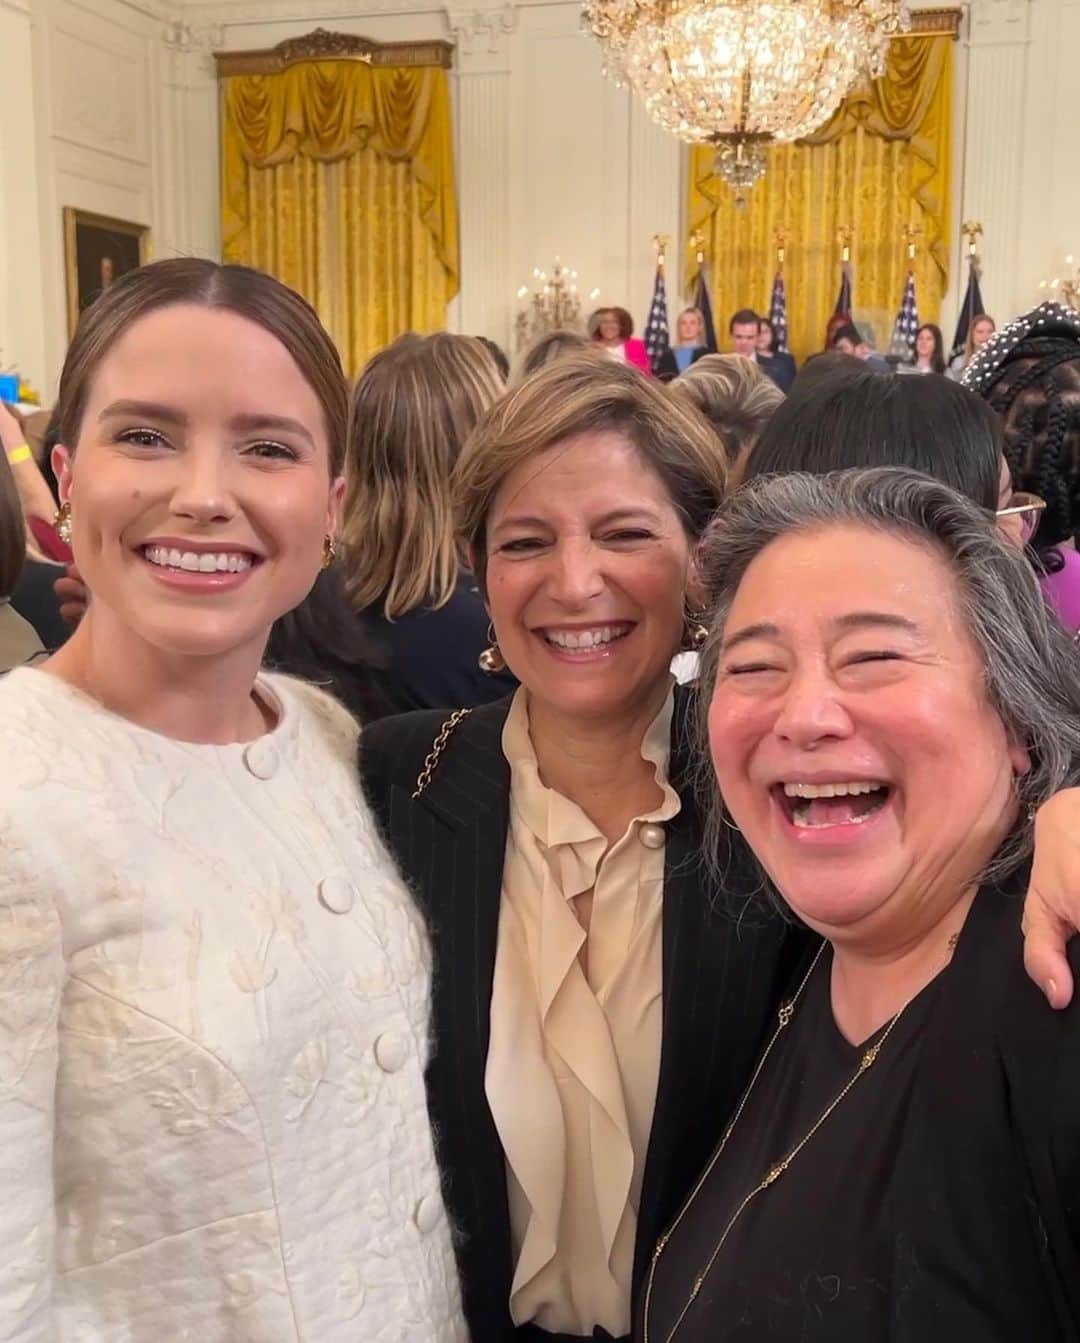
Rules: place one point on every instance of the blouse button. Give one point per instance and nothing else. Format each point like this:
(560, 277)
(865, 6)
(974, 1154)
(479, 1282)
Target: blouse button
(391, 1051)
(428, 1213)
(337, 894)
(261, 759)
(652, 836)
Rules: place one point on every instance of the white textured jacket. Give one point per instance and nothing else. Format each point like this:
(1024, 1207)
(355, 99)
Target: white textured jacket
(213, 1029)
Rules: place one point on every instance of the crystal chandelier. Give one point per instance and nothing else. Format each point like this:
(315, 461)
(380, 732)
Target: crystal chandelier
(739, 74)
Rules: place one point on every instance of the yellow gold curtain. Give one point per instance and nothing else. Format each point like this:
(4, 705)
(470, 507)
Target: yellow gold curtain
(881, 164)
(338, 179)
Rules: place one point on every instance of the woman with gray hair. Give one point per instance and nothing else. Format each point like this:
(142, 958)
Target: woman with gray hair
(887, 701)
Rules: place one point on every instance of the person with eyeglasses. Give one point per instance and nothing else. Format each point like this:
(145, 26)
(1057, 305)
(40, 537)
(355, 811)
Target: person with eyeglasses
(1029, 373)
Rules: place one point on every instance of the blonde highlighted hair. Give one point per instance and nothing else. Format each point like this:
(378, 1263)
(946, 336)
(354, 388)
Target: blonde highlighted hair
(734, 394)
(412, 408)
(579, 394)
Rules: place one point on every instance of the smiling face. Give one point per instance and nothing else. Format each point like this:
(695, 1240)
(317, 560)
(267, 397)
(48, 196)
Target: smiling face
(608, 329)
(851, 733)
(200, 490)
(587, 567)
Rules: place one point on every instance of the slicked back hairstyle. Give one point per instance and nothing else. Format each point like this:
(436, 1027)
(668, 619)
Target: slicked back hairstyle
(194, 281)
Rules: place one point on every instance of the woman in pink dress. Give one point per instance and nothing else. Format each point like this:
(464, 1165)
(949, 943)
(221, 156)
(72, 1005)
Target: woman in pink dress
(613, 330)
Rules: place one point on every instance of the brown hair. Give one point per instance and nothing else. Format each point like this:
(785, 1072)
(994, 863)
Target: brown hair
(549, 347)
(969, 343)
(626, 322)
(412, 408)
(734, 394)
(12, 531)
(192, 280)
(585, 394)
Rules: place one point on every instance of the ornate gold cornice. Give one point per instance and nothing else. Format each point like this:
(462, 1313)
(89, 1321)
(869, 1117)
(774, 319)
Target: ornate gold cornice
(325, 46)
(932, 22)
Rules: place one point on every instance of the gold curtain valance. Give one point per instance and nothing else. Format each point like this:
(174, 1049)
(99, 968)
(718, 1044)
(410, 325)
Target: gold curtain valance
(328, 110)
(881, 164)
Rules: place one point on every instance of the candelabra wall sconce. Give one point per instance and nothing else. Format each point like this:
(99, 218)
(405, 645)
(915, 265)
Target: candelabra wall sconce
(552, 303)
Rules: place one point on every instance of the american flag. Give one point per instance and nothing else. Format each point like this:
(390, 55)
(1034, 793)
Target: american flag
(778, 312)
(657, 340)
(907, 321)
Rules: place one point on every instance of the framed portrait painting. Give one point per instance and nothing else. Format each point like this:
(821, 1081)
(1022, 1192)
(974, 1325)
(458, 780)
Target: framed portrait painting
(97, 251)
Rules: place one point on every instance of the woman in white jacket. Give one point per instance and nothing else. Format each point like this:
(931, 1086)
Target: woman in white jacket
(213, 985)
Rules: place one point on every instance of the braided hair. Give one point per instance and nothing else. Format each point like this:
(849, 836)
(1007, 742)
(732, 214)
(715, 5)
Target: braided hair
(1037, 396)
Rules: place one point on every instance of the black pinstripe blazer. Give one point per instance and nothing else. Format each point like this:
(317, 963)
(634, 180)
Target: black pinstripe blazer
(723, 975)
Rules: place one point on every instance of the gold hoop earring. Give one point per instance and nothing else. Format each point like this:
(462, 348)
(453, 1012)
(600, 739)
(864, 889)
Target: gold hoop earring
(695, 634)
(491, 659)
(329, 550)
(62, 523)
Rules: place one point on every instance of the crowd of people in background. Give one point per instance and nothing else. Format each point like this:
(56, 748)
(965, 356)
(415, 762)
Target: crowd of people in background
(487, 851)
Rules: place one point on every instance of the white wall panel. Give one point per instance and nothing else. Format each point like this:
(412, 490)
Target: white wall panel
(112, 105)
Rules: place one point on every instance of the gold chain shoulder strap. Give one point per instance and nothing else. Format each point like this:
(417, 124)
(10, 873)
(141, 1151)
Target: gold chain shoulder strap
(431, 760)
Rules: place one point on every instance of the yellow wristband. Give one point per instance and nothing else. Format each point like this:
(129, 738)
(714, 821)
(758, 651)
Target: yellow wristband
(20, 454)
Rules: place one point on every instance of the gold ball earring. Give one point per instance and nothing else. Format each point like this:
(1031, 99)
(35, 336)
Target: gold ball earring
(329, 550)
(62, 523)
(695, 634)
(491, 659)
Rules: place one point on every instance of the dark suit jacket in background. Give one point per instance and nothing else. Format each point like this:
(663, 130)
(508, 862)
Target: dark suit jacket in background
(667, 368)
(429, 655)
(726, 963)
(780, 367)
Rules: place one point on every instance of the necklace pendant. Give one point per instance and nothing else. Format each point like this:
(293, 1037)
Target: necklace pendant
(869, 1057)
(775, 1173)
(787, 1011)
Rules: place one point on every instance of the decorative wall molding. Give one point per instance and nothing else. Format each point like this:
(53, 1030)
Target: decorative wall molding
(322, 45)
(999, 22)
(930, 22)
(477, 30)
(181, 37)
(233, 13)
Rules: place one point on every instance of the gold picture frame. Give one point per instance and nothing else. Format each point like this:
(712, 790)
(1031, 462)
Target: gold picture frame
(98, 250)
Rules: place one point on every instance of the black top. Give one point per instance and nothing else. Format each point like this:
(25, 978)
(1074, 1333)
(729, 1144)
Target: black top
(910, 1214)
(429, 656)
(35, 601)
(725, 960)
(780, 367)
(667, 366)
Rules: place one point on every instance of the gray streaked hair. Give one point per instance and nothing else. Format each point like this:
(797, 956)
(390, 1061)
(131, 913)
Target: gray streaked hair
(1031, 667)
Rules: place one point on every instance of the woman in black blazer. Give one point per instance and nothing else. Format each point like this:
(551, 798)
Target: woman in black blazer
(566, 497)
(889, 702)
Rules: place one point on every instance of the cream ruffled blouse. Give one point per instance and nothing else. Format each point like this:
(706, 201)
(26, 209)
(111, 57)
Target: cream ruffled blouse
(574, 1055)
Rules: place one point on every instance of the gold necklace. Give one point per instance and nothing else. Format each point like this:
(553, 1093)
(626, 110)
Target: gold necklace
(787, 1011)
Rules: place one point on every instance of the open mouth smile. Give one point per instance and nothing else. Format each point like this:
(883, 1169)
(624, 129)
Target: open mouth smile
(827, 806)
